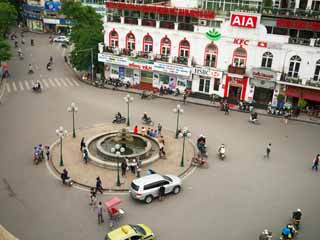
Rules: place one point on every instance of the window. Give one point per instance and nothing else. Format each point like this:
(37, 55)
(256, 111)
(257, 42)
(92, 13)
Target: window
(165, 46)
(147, 43)
(184, 48)
(153, 185)
(136, 238)
(211, 54)
(130, 41)
(113, 39)
(267, 60)
(204, 85)
(239, 57)
(216, 84)
(316, 76)
(294, 66)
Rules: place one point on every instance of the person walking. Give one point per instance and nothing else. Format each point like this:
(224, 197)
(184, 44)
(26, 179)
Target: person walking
(159, 128)
(47, 152)
(82, 144)
(135, 130)
(99, 185)
(85, 155)
(161, 193)
(143, 131)
(268, 150)
(133, 166)
(286, 117)
(315, 162)
(93, 198)
(100, 213)
(226, 108)
(184, 98)
(124, 168)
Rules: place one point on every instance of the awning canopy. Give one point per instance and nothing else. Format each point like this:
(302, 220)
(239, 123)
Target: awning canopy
(307, 94)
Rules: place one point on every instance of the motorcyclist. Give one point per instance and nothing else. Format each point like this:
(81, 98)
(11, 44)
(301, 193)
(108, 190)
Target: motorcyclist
(19, 52)
(64, 176)
(145, 117)
(51, 59)
(254, 116)
(221, 150)
(118, 116)
(49, 66)
(36, 86)
(286, 233)
(296, 215)
(201, 144)
(31, 42)
(30, 68)
(265, 235)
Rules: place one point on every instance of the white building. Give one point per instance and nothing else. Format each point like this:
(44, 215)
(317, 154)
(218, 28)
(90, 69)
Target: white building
(246, 63)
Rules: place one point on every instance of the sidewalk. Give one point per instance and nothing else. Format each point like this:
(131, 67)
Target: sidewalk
(85, 174)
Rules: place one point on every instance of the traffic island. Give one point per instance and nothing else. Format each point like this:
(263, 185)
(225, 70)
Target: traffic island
(85, 174)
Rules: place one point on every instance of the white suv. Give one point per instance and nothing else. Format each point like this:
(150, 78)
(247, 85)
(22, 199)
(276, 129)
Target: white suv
(147, 188)
(62, 39)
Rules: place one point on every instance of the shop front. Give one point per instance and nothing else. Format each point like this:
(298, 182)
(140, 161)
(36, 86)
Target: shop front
(207, 81)
(33, 19)
(312, 95)
(263, 82)
(235, 87)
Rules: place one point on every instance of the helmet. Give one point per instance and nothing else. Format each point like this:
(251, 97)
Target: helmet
(298, 210)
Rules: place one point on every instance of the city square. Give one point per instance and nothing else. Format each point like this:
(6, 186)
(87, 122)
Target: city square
(126, 120)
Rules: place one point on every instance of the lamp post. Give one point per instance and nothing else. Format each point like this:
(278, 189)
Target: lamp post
(184, 134)
(117, 149)
(61, 133)
(128, 100)
(178, 110)
(73, 109)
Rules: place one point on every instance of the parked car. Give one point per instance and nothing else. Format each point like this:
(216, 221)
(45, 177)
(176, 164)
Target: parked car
(130, 231)
(61, 39)
(147, 188)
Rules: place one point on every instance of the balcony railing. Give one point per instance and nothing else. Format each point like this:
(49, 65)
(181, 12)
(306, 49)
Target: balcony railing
(186, 27)
(130, 20)
(294, 13)
(299, 41)
(149, 23)
(317, 42)
(114, 19)
(180, 60)
(165, 24)
(236, 70)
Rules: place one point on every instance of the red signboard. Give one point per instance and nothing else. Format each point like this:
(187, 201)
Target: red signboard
(196, 13)
(240, 41)
(298, 24)
(238, 20)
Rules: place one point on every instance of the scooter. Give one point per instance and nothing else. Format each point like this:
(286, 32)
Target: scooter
(49, 67)
(30, 71)
(66, 181)
(37, 89)
(119, 120)
(253, 120)
(147, 121)
(222, 153)
(200, 162)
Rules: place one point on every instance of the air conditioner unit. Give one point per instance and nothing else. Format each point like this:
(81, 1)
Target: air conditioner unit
(133, 54)
(203, 22)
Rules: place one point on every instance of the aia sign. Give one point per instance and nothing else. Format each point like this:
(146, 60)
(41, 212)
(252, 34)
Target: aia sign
(238, 20)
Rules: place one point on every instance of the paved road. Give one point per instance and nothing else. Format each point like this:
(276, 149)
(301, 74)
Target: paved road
(234, 199)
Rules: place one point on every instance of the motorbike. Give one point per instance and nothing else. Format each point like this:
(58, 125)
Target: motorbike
(30, 71)
(37, 89)
(253, 120)
(49, 67)
(66, 180)
(222, 153)
(147, 121)
(200, 162)
(177, 92)
(146, 95)
(119, 120)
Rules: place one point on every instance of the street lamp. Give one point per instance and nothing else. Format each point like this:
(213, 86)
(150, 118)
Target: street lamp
(184, 134)
(117, 149)
(178, 110)
(73, 109)
(128, 100)
(61, 133)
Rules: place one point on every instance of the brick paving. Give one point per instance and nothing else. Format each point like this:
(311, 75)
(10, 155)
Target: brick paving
(86, 174)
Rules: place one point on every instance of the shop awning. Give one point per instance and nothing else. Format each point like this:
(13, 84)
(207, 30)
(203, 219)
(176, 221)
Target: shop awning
(307, 94)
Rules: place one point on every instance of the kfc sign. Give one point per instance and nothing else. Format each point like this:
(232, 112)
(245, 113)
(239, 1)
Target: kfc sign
(238, 20)
(240, 41)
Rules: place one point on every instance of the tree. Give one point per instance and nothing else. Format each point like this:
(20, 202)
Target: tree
(8, 17)
(5, 53)
(86, 34)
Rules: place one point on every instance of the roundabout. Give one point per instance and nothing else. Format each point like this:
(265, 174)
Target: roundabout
(103, 163)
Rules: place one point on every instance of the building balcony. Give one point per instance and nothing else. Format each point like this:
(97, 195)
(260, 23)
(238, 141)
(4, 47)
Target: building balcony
(166, 24)
(236, 70)
(131, 20)
(116, 19)
(148, 23)
(291, 13)
(299, 41)
(186, 27)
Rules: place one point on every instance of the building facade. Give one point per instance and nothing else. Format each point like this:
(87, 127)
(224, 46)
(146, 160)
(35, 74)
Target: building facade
(246, 63)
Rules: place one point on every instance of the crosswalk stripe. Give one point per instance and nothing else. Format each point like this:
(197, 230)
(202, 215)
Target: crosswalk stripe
(63, 82)
(14, 86)
(8, 87)
(45, 83)
(27, 84)
(69, 82)
(75, 82)
(52, 82)
(21, 86)
(57, 82)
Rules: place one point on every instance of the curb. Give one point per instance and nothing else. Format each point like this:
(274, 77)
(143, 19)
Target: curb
(187, 101)
(58, 173)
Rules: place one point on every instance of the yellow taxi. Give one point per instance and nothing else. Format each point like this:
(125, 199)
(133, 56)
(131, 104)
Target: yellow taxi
(131, 232)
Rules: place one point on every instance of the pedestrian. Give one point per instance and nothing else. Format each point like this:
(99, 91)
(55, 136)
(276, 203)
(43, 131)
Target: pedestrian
(226, 108)
(161, 140)
(143, 131)
(162, 153)
(286, 117)
(161, 90)
(184, 98)
(138, 171)
(41, 152)
(99, 185)
(93, 198)
(161, 193)
(124, 167)
(268, 150)
(315, 162)
(135, 130)
(155, 133)
(85, 155)
(47, 152)
(159, 128)
(148, 132)
(133, 166)
(212, 98)
(100, 213)
(82, 144)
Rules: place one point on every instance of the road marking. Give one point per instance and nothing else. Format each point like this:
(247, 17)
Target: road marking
(69, 82)
(14, 86)
(63, 82)
(45, 83)
(27, 84)
(21, 86)
(8, 87)
(57, 82)
(51, 82)
(75, 82)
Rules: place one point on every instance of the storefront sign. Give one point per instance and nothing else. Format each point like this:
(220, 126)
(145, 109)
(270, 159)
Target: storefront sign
(264, 74)
(32, 16)
(140, 64)
(65, 22)
(31, 8)
(158, 9)
(238, 20)
(121, 72)
(236, 81)
(298, 24)
(240, 41)
(207, 72)
(51, 21)
(172, 69)
(52, 6)
(109, 58)
(263, 83)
